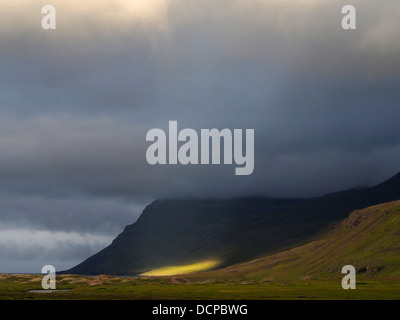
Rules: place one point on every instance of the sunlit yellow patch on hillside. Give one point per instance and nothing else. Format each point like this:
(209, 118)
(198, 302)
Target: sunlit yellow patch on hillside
(185, 269)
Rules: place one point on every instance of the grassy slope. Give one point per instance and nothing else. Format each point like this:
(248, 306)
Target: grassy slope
(369, 239)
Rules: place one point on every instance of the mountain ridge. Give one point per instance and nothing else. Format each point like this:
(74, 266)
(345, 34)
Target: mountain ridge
(176, 232)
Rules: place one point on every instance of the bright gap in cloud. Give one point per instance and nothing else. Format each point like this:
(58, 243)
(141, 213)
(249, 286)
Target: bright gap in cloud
(28, 250)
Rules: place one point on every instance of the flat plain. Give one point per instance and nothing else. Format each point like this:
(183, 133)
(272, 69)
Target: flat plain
(17, 287)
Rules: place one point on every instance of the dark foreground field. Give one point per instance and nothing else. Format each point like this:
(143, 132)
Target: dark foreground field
(106, 287)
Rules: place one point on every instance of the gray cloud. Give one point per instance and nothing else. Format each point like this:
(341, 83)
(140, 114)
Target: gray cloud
(26, 250)
(76, 103)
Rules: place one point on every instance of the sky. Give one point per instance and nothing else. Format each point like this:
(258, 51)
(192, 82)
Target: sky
(76, 104)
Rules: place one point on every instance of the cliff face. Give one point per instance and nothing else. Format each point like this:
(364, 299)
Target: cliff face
(176, 232)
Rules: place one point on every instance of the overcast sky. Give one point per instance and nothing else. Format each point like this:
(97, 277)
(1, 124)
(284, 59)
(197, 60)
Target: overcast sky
(76, 104)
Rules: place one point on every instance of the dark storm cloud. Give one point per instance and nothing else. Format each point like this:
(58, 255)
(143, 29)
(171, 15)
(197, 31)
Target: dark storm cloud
(288, 71)
(76, 103)
(98, 215)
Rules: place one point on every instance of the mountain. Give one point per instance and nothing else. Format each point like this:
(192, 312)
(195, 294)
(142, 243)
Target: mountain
(179, 232)
(369, 239)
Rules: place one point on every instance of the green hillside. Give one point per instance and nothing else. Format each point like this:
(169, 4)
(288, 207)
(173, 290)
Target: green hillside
(369, 239)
